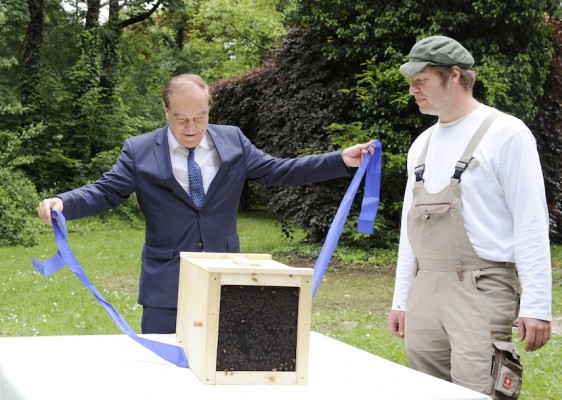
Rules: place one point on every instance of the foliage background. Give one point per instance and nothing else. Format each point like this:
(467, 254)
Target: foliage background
(298, 76)
(368, 41)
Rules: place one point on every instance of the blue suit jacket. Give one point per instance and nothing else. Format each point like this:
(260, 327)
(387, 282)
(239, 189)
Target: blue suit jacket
(173, 223)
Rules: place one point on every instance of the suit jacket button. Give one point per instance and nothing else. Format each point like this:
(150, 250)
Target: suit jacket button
(200, 214)
(199, 244)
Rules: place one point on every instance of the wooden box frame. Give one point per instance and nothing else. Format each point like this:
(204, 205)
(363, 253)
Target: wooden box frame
(202, 276)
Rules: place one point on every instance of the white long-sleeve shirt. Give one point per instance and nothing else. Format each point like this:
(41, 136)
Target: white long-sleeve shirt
(503, 203)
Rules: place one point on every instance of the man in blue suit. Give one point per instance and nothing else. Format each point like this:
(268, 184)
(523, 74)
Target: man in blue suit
(155, 166)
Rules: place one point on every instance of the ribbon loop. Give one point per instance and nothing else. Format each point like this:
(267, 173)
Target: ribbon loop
(371, 165)
(171, 353)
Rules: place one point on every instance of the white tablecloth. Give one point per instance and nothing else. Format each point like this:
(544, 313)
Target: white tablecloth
(115, 367)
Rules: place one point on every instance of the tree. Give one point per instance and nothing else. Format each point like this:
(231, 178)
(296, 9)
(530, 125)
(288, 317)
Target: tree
(82, 84)
(87, 79)
(512, 67)
(86, 83)
(74, 91)
(370, 40)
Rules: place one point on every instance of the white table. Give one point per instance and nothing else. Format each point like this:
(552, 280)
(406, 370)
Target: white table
(116, 367)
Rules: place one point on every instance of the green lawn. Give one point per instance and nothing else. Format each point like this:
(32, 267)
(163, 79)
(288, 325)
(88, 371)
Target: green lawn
(351, 304)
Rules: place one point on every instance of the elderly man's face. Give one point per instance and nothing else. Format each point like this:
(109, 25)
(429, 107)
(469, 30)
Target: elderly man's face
(188, 114)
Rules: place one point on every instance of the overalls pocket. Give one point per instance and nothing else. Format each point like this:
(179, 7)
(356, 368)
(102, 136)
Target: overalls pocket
(506, 375)
(497, 281)
(430, 225)
(426, 211)
(500, 295)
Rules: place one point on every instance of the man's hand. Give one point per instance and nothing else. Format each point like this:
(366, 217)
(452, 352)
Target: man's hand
(46, 206)
(535, 331)
(353, 155)
(396, 323)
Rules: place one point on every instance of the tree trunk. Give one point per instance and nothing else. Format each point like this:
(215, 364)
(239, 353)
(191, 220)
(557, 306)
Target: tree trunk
(109, 52)
(32, 50)
(93, 14)
(110, 44)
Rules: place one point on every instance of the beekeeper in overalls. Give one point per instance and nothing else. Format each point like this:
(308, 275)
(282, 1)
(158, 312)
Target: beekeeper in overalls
(474, 254)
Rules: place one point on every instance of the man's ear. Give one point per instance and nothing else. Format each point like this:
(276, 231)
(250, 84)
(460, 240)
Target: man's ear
(456, 73)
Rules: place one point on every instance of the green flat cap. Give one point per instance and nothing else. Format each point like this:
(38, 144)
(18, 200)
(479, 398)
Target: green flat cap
(436, 50)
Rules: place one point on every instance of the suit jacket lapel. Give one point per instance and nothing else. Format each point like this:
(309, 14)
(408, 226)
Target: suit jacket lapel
(225, 156)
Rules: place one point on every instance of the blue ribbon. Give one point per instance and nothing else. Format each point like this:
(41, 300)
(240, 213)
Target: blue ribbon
(168, 352)
(371, 167)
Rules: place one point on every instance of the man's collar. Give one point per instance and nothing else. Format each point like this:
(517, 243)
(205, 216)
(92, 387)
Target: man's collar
(174, 145)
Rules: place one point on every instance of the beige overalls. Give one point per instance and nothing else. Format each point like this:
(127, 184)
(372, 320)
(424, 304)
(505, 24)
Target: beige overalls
(458, 302)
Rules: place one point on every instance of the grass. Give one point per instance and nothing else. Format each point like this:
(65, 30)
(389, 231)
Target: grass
(351, 304)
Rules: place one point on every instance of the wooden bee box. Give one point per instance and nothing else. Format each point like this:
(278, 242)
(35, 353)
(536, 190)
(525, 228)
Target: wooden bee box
(244, 318)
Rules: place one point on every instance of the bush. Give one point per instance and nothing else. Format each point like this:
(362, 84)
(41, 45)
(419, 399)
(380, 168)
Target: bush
(285, 108)
(18, 209)
(336, 82)
(548, 132)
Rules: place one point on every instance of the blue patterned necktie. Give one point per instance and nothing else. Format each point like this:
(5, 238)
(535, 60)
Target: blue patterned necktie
(196, 190)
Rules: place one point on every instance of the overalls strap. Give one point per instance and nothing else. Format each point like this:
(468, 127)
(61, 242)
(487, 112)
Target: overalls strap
(466, 158)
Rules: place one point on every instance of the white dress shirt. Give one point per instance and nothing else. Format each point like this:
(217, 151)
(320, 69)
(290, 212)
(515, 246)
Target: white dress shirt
(503, 202)
(206, 157)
